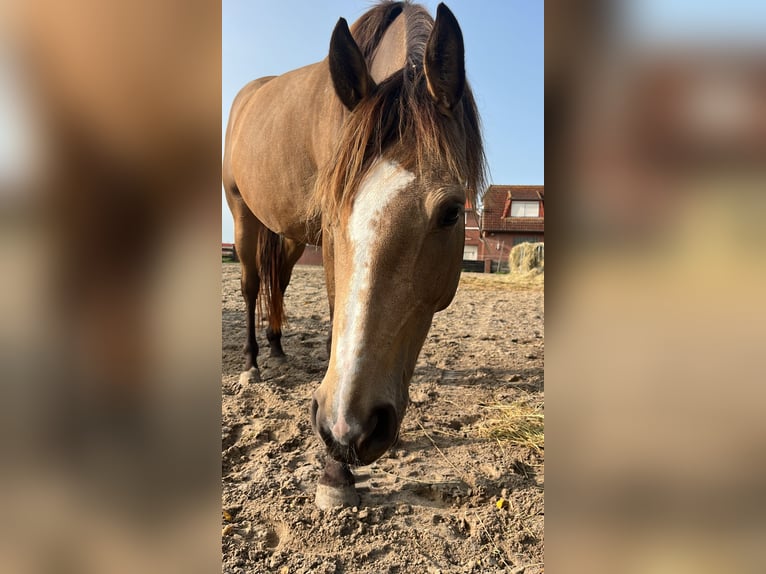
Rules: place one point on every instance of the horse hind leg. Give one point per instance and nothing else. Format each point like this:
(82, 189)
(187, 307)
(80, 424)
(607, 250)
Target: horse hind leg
(275, 344)
(290, 252)
(250, 287)
(267, 260)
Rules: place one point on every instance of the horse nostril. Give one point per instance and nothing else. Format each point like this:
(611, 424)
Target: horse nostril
(326, 437)
(314, 409)
(316, 424)
(383, 429)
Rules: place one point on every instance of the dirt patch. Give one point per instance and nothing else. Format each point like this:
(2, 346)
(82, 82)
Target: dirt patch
(443, 499)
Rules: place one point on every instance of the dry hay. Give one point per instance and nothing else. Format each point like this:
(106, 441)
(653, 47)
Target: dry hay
(493, 281)
(527, 259)
(520, 423)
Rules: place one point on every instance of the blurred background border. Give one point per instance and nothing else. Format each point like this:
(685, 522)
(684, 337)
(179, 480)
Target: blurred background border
(109, 182)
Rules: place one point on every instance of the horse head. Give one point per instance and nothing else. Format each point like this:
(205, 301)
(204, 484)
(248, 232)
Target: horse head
(408, 158)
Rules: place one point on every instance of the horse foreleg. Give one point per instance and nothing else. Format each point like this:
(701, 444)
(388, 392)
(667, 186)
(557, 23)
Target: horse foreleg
(329, 337)
(328, 261)
(245, 231)
(336, 486)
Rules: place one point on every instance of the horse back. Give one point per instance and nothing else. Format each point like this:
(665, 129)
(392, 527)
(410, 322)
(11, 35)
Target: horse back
(242, 96)
(280, 130)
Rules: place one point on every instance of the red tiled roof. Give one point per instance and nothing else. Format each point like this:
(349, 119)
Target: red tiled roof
(524, 224)
(522, 192)
(495, 200)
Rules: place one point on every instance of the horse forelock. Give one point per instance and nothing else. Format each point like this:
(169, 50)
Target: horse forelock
(400, 118)
(419, 26)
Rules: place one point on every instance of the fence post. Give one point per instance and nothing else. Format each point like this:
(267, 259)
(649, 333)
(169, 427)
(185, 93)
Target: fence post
(487, 266)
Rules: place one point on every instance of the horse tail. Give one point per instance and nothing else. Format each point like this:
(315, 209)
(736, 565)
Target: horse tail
(271, 261)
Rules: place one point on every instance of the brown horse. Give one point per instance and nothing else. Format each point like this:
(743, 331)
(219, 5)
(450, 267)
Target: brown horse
(373, 151)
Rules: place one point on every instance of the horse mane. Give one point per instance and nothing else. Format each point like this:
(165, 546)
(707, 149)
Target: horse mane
(400, 117)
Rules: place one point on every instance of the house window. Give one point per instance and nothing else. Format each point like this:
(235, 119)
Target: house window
(470, 253)
(525, 209)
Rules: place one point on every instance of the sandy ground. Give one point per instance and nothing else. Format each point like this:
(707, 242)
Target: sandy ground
(429, 504)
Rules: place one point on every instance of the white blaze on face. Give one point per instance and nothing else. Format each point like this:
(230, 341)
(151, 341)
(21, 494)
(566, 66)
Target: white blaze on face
(385, 181)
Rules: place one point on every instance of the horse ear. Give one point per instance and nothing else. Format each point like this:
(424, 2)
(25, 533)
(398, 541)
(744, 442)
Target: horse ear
(348, 69)
(445, 61)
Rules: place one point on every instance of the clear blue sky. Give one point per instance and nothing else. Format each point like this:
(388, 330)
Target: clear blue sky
(504, 62)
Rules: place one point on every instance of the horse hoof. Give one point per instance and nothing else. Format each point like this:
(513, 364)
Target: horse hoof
(328, 497)
(278, 359)
(250, 377)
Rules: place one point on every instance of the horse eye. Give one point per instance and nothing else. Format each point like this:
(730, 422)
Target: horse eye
(450, 216)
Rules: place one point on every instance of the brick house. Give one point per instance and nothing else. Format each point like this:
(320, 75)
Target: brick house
(511, 214)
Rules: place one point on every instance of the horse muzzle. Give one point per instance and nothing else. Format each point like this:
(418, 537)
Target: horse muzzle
(360, 440)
